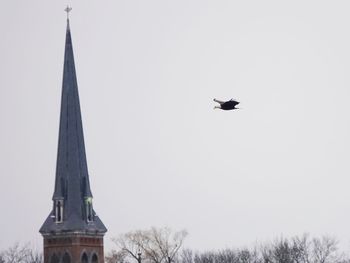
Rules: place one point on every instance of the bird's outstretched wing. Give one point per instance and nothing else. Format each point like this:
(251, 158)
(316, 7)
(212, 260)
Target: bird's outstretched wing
(219, 101)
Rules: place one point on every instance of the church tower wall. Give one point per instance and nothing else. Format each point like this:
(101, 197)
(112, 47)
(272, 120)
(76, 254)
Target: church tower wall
(73, 248)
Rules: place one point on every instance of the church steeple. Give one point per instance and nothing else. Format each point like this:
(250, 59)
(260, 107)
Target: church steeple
(72, 199)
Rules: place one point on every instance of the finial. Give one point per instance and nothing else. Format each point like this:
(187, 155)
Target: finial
(68, 9)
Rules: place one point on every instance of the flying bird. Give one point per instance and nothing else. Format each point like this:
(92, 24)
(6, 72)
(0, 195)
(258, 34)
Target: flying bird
(226, 105)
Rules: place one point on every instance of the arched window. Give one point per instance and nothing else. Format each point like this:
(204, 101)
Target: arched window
(66, 258)
(84, 258)
(94, 258)
(54, 259)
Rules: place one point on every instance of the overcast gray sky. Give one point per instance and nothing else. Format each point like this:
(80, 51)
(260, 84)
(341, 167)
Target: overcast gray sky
(158, 154)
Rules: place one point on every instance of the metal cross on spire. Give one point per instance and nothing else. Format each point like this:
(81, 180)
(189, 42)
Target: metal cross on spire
(68, 9)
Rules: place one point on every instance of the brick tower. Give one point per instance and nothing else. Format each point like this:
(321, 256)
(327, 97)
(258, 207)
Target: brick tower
(72, 232)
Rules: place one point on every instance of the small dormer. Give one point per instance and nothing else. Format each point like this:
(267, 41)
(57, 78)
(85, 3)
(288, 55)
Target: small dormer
(59, 210)
(88, 209)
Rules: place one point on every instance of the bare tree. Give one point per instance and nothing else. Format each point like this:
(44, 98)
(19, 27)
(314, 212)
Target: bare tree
(297, 249)
(131, 244)
(206, 257)
(325, 250)
(300, 247)
(157, 245)
(186, 256)
(20, 254)
(282, 252)
(248, 256)
(303, 250)
(227, 256)
(115, 256)
(166, 242)
(34, 257)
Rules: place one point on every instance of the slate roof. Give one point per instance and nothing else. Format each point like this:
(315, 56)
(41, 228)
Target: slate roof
(72, 178)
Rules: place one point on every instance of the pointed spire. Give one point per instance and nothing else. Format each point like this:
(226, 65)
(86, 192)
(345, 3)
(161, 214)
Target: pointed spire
(71, 158)
(72, 188)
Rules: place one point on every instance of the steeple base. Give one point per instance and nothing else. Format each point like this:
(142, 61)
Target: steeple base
(73, 248)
